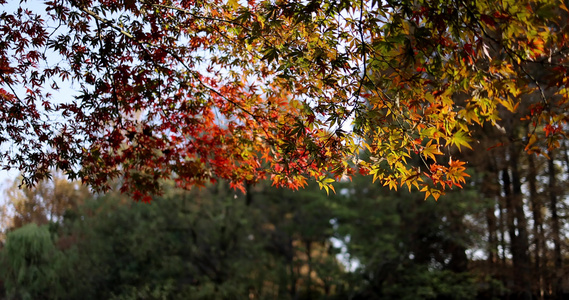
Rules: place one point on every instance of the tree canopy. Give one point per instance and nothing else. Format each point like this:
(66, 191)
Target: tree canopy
(287, 90)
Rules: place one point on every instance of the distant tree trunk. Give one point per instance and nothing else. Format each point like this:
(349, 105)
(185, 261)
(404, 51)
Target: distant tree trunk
(502, 230)
(248, 194)
(555, 228)
(457, 250)
(517, 226)
(524, 264)
(491, 191)
(492, 235)
(538, 237)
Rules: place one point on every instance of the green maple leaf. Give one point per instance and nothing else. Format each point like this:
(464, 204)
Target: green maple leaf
(460, 139)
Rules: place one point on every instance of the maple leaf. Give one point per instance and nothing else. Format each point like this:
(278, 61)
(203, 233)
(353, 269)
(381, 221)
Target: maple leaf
(326, 184)
(456, 172)
(432, 191)
(459, 139)
(430, 150)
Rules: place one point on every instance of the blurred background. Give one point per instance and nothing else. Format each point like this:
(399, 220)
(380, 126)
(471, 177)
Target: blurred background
(504, 236)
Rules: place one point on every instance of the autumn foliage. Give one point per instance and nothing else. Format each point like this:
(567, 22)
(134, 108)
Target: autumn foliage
(287, 90)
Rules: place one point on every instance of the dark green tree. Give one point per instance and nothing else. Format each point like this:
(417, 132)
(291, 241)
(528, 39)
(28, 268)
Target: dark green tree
(31, 266)
(405, 247)
(209, 243)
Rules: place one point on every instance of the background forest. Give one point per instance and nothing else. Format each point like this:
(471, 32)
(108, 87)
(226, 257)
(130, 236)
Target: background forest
(501, 237)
